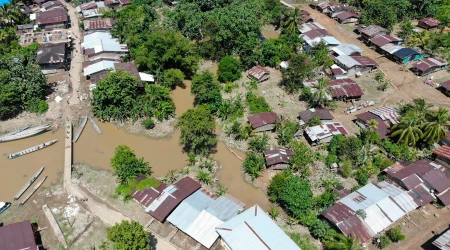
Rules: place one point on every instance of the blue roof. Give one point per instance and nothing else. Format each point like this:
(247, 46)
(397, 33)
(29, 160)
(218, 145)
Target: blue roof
(406, 52)
(3, 2)
(254, 229)
(224, 208)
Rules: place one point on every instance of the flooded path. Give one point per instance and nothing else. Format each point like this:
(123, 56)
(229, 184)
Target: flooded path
(96, 150)
(16, 172)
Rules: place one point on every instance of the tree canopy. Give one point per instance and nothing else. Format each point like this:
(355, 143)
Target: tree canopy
(300, 68)
(297, 196)
(206, 89)
(197, 127)
(229, 69)
(128, 236)
(127, 166)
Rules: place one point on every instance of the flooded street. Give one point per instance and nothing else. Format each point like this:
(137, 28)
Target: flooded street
(96, 150)
(16, 172)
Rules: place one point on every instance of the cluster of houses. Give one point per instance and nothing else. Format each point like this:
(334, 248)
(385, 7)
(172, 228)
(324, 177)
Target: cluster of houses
(204, 217)
(375, 207)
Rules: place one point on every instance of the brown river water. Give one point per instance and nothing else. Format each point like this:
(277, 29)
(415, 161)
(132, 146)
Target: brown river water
(96, 150)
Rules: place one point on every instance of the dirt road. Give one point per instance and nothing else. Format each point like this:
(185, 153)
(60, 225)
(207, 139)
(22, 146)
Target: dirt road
(77, 56)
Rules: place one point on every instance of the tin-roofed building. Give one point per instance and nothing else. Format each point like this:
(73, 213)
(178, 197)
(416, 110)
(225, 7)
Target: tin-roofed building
(259, 73)
(347, 17)
(305, 27)
(371, 31)
(51, 5)
(345, 89)
(101, 45)
(167, 200)
(325, 132)
(263, 121)
(52, 56)
(429, 23)
(404, 55)
(443, 242)
(99, 24)
(442, 155)
(278, 158)
(55, 18)
(321, 113)
(363, 119)
(17, 236)
(428, 66)
(253, 229)
(383, 39)
(383, 203)
(354, 65)
(202, 212)
(347, 49)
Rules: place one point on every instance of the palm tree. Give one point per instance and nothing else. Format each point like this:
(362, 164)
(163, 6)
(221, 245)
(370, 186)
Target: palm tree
(291, 20)
(10, 15)
(408, 130)
(436, 126)
(344, 243)
(420, 107)
(320, 96)
(372, 124)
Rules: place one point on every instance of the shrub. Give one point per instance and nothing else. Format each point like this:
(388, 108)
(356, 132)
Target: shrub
(346, 169)
(314, 121)
(303, 241)
(274, 212)
(395, 234)
(330, 159)
(229, 69)
(37, 106)
(148, 123)
(384, 242)
(276, 186)
(257, 104)
(253, 165)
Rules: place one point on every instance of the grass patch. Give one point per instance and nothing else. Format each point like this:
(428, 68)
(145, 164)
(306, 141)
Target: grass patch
(126, 190)
(303, 241)
(257, 104)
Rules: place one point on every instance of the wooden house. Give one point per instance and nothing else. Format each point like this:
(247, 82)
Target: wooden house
(263, 121)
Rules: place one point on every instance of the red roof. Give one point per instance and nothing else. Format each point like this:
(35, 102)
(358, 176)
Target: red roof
(346, 15)
(365, 61)
(421, 195)
(52, 4)
(16, 236)
(146, 196)
(102, 23)
(171, 196)
(384, 39)
(125, 2)
(421, 167)
(444, 197)
(437, 179)
(345, 87)
(443, 151)
(258, 72)
(323, 114)
(347, 221)
(446, 85)
(262, 119)
(411, 181)
(429, 63)
(316, 33)
(278, 156)
(58, 15)
(432, 22)
(372, 30)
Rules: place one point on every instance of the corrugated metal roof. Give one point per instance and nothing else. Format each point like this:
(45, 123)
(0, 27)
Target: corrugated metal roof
(17, 236)
(225, 207)
(444, 197)
(365, 61)
(146, 196)
(437, 179)
(261, 119)
(443, 242)
(310, 26)
(253, 229)
(323, 114)
(443, 151)
(347, 49)
(428, 63)
(345, 15)
(375, 219)
(97, 67)
(54, 16)
(383, 39)
(391, 209)
(422, 167)
(345, 87)
(364, 197)
(446, 85)
(203, 228)
(258, 72)
(432, 22)
(101, 23)
(422, 195)
(347, 61)
(100, 42)
(278, 156)
(406, 52)
(391, 48)
(330, 40)
(387, 113)
(325, 130)
(373, 30)
(399, 195)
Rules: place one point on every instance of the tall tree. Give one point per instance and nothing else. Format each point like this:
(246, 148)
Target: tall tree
(291, 20)
(319, 97)
(128, 236)
(437, 125)
(408, 130)
(206, 89)
(300, 68)
(229, 69)
(10, 15)
(197, 130)
(297, 196)
(443, 14)
(127, 166)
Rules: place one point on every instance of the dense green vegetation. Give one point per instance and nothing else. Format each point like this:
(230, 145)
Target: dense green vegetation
(117, 97)
(257, 104)
(206, 89)
(127, 236)
(197, 128)
(229, 69)
(22, 84)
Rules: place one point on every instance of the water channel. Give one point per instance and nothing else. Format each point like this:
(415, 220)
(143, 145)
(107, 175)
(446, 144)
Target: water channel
(96, 150)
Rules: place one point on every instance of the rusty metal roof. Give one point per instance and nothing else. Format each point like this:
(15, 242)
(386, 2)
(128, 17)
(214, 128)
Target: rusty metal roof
(58, 15)
(446, 85)
(170, 197)
(146, 196)
(373, 30)
(261, 119)
(345, 15)
(383, 39)
(101, 23)
(432, 22)
(412, 181)
(345, 87)
(428, 63)
(365, 61)
(443, 151)
(323, 114)
(422, 167)
(444, 197)
(437, 179)
(16, 236)
(443, 242)
(258, 72)
(278, 156)
(422, 195)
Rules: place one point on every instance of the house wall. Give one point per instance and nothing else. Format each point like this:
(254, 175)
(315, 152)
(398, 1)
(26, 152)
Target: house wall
(443, 161)
(265, 128)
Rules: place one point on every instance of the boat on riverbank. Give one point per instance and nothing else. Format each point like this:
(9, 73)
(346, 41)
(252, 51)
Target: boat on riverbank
(80, 129)
(32, 191)
(14, 132)
(28, 184)
(96, 127)
(32, 149)
(4, 206)
(25, 133)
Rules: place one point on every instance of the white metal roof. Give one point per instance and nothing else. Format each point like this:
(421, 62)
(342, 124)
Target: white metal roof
(203, 228)
(391, 209)
(347, 61)
(98, 67)
(310, 26)
(146, 77)
(376, 220)
(158, 201)
(346, 49)
(330, 40)
(253, 229)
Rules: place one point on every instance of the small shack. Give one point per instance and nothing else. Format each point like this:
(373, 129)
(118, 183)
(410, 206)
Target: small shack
(264, 121)
(443, 242)
(321, 113)
(371, 31)
(259, 73)
(442, 155)
(278, 158)
(345, 89)
(429, 23)
(428, 66)
(347, 17)
(325, 132)
(323, 7)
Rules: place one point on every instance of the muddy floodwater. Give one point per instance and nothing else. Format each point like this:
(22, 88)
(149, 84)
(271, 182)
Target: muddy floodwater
(16, 172)
(96, 150)
(270, 34)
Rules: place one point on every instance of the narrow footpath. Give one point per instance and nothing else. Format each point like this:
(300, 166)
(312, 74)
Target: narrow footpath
(95, 205)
